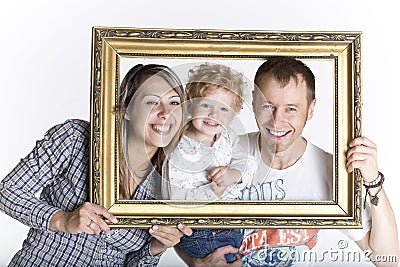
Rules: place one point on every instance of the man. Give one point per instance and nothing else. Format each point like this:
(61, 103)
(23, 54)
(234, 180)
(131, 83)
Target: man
(283, 101)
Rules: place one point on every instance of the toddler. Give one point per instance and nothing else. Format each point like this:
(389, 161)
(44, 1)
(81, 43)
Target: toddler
(208, 163)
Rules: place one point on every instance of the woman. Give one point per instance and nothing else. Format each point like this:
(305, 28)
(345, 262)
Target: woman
(152, 114)
(64, 229)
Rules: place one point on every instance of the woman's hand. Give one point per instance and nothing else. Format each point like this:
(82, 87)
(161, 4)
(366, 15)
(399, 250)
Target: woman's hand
(84, 219)
(166, 237)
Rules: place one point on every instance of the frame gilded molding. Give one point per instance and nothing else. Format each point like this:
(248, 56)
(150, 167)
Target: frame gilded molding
(111, 44)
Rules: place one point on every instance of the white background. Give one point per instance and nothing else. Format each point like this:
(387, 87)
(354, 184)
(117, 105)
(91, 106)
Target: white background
(45, 49)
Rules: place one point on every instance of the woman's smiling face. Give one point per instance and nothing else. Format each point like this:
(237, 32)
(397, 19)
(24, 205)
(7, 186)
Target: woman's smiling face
(154, 113)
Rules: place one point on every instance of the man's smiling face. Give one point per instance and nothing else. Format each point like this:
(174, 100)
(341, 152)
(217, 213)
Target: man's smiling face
(281, 111)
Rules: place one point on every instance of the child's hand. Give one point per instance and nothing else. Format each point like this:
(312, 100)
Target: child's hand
(224, 176)
(218, 190)
(166, 237)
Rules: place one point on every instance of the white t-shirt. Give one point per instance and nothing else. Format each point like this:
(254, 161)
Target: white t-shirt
(310, 178)
(312, 173)
(190, 162)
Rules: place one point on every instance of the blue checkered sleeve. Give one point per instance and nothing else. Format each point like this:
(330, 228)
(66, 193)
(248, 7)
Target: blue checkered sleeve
(57, 170)
(42, 169)
(142, 258)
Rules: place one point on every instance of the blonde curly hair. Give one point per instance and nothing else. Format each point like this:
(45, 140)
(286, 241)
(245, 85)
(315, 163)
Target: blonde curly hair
(207, 77)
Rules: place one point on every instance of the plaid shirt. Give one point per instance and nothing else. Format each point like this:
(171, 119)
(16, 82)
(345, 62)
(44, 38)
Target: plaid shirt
(58, 166)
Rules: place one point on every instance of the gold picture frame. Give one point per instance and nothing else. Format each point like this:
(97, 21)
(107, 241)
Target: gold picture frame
(342, 50)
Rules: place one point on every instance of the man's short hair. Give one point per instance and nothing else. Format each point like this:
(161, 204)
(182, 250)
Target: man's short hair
(283, 68)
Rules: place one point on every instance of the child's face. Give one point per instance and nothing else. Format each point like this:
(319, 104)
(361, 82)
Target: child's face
(213, 113)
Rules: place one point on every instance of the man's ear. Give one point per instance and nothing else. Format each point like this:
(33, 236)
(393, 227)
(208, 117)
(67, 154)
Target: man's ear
(252, 99)
(311, 109)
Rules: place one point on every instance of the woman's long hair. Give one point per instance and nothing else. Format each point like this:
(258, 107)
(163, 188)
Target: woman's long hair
(132, 81)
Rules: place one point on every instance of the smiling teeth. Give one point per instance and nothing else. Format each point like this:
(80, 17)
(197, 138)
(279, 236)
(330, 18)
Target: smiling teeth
(277, 133)
(211, 123)
(162, 128)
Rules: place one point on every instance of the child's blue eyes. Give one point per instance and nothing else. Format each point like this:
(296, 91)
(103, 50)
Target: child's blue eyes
(204, 105)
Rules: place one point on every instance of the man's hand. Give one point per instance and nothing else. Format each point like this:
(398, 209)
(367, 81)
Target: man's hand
(84, 219)
(363, 156)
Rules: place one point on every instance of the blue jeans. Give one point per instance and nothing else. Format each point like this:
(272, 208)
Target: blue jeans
(203, 242)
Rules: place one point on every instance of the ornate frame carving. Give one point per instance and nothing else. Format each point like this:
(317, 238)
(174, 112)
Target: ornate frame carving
(343, 49)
